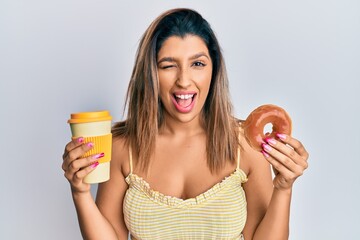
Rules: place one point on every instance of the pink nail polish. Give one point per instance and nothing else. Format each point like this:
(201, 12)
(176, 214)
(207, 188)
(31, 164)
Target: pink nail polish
(265, 153)
(100, 155)
(270, 140)
(94, 165)
(90, 144)
(266, 147)
(281, 136)
(80, 140)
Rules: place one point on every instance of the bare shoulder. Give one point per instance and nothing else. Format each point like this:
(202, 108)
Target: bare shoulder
(120, 155)
(251, 159)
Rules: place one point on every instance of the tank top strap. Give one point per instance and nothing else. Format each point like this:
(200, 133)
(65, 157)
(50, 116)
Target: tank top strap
(238, 158)
(238, 150)
(130, 159)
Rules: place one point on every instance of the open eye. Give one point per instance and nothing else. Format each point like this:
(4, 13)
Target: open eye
(199, 64)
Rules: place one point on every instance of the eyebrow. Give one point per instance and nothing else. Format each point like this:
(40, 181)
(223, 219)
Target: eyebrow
(171, 59)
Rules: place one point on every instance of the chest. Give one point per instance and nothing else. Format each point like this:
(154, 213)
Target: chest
(181, 171)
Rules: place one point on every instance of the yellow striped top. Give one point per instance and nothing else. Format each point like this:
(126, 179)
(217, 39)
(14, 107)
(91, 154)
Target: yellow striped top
(219, 213)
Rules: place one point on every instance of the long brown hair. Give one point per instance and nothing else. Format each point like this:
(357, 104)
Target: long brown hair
(145, 114)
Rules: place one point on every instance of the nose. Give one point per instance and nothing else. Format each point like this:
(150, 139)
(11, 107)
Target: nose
(183, 78)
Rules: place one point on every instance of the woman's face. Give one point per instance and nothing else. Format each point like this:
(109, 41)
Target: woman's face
(185, 69)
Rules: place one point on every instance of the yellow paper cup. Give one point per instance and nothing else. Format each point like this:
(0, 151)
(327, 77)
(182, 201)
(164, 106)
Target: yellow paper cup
(94, 127)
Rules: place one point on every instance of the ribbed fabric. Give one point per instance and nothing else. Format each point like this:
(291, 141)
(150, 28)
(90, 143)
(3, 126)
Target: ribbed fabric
(219, 213)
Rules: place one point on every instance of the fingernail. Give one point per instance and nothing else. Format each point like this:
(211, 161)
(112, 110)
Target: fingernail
(80, 140)
(265, 153)
(270, 140)
(90, 144)
(94, 165)
(266, 147)
(100, 155)
(281, 136)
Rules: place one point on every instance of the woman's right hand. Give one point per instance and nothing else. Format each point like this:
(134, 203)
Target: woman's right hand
(75, 167)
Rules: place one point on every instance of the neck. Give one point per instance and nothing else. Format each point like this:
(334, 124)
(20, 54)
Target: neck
(171, 126)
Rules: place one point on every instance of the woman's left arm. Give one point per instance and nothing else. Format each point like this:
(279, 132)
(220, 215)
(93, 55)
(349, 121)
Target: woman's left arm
(288, 158)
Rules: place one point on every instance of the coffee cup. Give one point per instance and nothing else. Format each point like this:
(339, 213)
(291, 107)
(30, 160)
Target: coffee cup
(94, 127)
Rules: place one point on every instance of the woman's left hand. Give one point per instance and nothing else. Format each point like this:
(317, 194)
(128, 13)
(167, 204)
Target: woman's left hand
(288, 158)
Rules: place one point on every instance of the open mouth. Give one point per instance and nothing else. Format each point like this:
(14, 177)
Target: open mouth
(184, 102)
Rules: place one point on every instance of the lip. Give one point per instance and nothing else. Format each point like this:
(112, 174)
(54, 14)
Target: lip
(183, 92)
(182, 109)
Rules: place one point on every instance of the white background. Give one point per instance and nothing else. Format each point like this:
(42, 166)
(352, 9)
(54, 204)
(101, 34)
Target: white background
(58, 57)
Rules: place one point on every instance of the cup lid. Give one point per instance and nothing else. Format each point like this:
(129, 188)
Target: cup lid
(83, 117)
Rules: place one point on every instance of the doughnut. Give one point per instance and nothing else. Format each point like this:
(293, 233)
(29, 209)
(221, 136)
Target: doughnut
(257, 119)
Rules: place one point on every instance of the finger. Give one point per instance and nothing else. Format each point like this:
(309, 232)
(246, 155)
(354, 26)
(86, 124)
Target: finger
(287, 150)
(296, 167)
(266, 155)
(278, 167)
(72, 145)
(76, 153)
(77, 178)
(79, 175)
(78, 164)
(294, 143)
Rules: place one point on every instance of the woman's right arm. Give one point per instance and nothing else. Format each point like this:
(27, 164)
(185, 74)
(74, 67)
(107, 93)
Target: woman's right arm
(95, 219)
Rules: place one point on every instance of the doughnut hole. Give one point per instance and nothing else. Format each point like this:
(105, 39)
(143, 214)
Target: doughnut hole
(268, 129)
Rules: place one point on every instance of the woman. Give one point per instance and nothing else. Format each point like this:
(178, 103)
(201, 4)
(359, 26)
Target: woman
(180, 167)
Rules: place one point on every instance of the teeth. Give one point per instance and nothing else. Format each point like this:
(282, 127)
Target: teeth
(186, 96)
